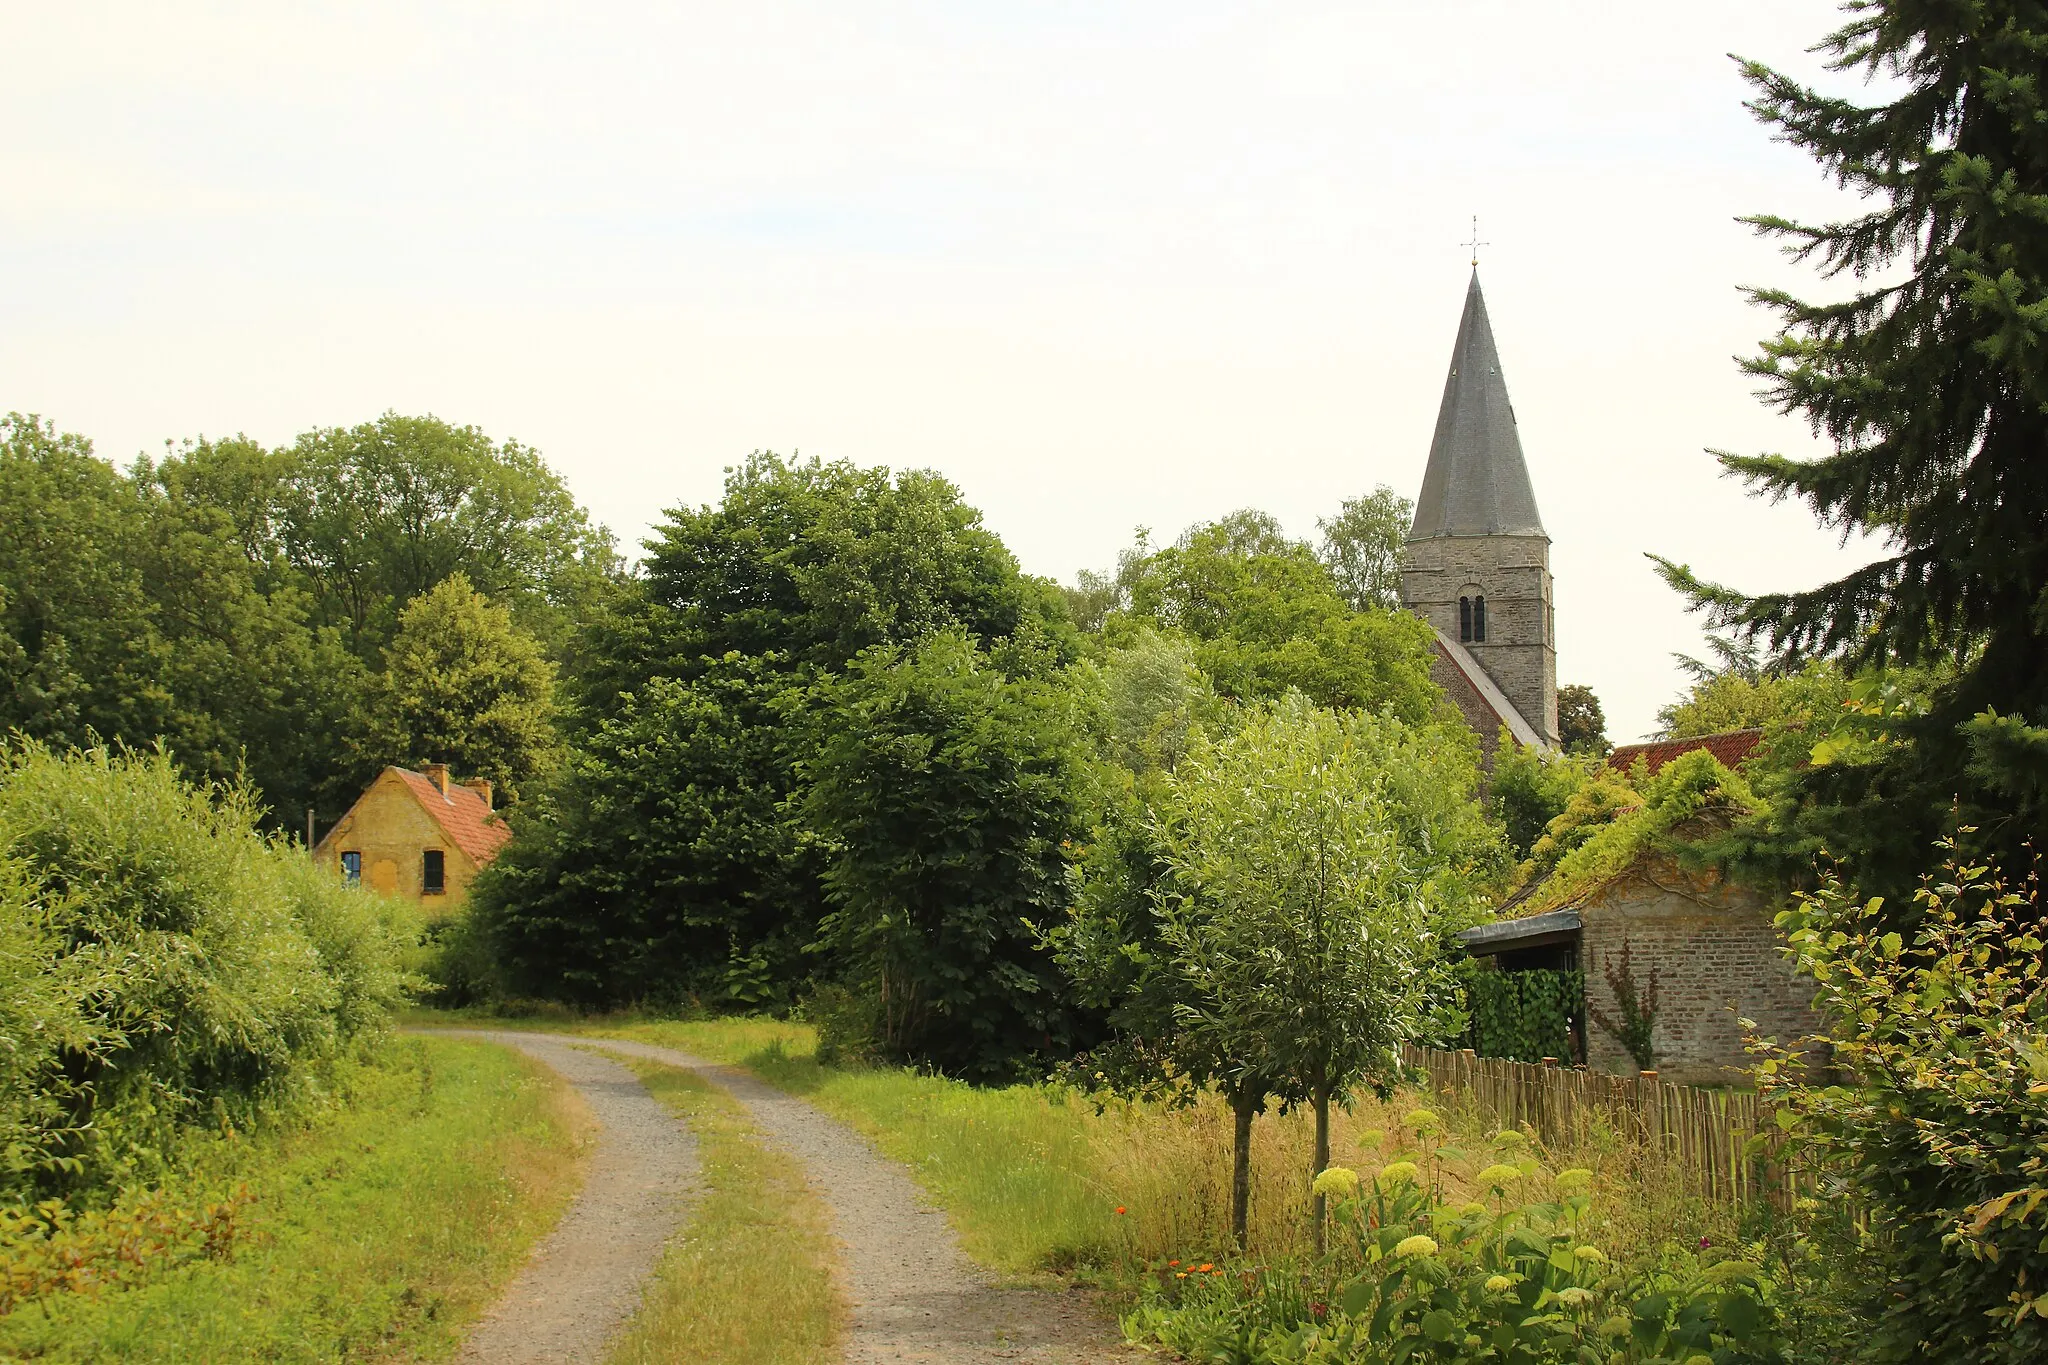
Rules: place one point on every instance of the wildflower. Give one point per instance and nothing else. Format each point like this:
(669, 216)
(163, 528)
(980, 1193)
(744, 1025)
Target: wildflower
(1319, 1311)
(1498, 1284)
(1421, 1120)
(1119, 1210)
(1472, 1209)
(1575, 1297)
(1418, 1245)
(1180, 1274)
(1508, 1138)
(1706, 1242)
(1204, 1268)
(1337, 1181)
(1372, 1137)
(1401, 1172)
(1594, 1255)
(1172, 1264)
(1574, 1178)
(1499, 1176)
(1616, 1326)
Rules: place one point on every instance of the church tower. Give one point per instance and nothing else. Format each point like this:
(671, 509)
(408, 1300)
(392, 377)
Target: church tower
(1477, 563)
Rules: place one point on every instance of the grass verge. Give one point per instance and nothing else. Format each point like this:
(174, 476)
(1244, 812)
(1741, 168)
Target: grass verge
(377, 1229)
(749, 1280)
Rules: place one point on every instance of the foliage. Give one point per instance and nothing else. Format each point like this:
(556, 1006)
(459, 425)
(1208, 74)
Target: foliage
(53, 1249)
(1634, 1021)
(1362, 548)
(1603, 831)
(1927, 383)
(463, 685)
(167, 967)
(948, 796)
(1934, 1115)
(1266, 616)
(1157, 701)
(1529, 788)
(1524, 1016)
(1581, 723)
(1502, 1280)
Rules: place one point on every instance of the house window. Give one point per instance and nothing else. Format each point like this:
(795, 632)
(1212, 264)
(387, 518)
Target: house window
(1465, 620)
(433, 876)
(1479, 620)
(352, 868)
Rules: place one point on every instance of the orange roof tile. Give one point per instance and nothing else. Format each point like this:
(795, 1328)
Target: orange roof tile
(471, 825)
(1731, 747)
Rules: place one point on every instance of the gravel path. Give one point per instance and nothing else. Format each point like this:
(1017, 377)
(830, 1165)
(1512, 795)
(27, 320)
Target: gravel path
(915, 1297)
(584, 1280)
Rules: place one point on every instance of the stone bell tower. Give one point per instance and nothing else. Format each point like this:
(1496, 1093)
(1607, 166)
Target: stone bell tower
(1477, 562)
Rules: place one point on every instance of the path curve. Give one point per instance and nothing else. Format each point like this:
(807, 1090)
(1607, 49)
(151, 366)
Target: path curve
(915, 1297)
(585, 1279)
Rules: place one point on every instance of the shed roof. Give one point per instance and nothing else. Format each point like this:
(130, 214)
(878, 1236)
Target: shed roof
(1477, 483)
(1530, 932)
(1731, 747)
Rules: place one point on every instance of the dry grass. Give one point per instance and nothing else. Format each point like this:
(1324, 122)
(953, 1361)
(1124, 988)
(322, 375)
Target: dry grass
(749, 1280)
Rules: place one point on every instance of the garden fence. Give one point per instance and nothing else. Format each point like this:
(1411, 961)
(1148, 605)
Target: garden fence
(1722, 1144)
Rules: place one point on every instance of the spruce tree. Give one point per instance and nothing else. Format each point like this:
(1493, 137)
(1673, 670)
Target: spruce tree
(1930, 381)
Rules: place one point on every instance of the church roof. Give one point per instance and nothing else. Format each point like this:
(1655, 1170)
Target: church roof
(1476, 484)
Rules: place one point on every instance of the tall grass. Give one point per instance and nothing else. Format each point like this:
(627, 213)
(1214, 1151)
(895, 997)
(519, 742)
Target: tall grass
(749, 1280)
(378, 1230)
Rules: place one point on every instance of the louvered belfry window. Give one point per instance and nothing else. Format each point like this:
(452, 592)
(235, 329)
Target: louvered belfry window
(1464, 620)
(1479, 620)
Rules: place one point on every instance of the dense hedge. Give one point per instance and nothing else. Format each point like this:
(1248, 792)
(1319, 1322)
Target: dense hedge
(161, 964)
(1521, 1016)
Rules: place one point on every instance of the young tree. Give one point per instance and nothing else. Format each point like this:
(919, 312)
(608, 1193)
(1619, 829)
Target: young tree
(463, 685)
(949, 796)
(1299, 909)
(1929, 383)
(1362, 548)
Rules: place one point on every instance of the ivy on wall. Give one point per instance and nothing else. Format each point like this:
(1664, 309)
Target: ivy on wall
(1521, 1016)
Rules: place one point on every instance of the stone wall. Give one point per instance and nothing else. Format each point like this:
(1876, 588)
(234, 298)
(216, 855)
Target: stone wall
(387, 826)
(1717, 956)
(1513, 574)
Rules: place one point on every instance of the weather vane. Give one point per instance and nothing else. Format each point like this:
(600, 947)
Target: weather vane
(1475, 243)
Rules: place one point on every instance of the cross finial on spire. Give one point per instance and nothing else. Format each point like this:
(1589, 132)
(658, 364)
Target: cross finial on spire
(1475, 243)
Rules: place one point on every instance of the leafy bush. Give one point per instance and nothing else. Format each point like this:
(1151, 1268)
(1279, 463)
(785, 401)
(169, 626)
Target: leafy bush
(161, 963)
(1411, 1278)
(1934, 1113)
(1521, 1016)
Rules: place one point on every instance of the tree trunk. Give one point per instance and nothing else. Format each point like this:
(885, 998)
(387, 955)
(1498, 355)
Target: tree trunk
(1322, 1161)
(1244, 1108)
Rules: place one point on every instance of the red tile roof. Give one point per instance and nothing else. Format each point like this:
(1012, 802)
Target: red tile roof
(1731, 747)
(470, 824)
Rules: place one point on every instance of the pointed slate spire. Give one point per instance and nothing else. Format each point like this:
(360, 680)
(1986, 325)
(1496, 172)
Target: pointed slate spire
(1476, 484)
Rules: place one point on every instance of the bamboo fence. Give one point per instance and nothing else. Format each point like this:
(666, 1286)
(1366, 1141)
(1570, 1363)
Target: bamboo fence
(1719, 1143)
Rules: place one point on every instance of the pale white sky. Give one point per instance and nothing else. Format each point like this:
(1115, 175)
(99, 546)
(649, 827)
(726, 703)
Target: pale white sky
(1103, 264)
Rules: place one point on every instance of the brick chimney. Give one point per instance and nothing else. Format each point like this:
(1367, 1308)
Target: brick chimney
(436, 773)
(481, 786)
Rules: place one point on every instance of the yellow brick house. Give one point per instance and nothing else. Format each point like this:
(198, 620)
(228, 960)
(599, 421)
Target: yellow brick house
(420, 835)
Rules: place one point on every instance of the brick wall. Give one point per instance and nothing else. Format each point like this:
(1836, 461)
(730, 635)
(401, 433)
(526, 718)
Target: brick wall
(1716, 952)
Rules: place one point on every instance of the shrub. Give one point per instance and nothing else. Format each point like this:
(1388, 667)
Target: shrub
(161, 963)
(1934, 1113)
(1412, 1278)
(1522, 1016)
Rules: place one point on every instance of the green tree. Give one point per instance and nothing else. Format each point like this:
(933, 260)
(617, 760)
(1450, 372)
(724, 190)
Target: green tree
(463, 685)
(376, 514)
(1303, 894)
(1362, 548)
(1927, 379)
(1530, 788)
(950, 796)
(1581, 722)
(1265, 616)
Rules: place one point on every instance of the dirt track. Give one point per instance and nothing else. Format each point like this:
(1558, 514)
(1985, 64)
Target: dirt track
(915, 1296)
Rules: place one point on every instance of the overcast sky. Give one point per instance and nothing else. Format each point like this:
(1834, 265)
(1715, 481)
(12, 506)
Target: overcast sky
(1105, 265)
